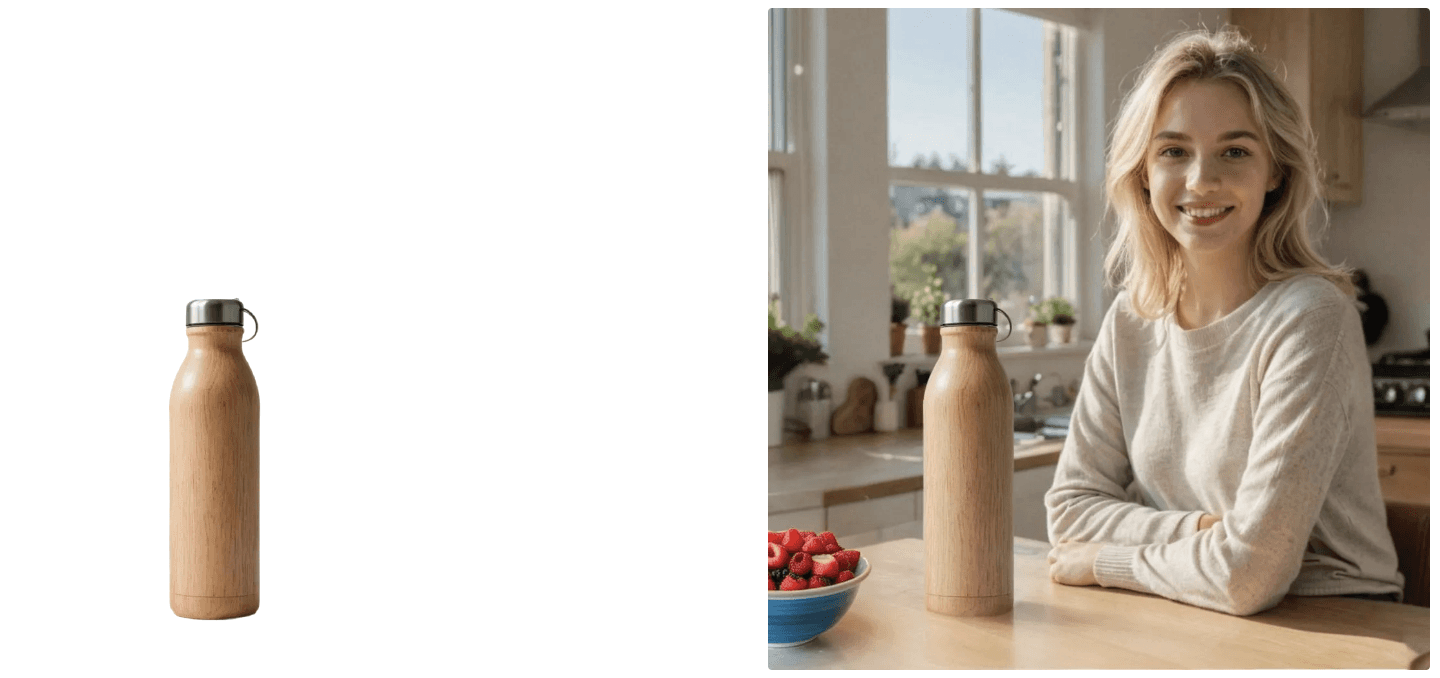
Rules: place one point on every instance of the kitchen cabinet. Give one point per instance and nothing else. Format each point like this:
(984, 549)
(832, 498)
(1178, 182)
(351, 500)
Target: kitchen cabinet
(1321, 52)
(869, 488)
(1403, 452)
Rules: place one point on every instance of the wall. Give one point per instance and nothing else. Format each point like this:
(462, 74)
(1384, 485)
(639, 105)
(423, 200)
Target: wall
(851, 202)
(1388, 234)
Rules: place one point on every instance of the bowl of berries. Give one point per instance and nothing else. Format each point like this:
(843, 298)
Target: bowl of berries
(813, 581)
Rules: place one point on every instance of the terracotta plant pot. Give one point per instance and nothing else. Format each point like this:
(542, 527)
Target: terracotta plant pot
(1060, 334)
(1035, 335)
(897, 339)
(931, 336)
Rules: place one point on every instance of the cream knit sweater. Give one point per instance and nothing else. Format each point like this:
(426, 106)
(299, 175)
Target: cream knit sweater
(1264, 417)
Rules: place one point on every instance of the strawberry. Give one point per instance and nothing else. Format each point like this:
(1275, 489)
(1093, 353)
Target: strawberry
(801, 563)
(807, 535)
(773, 587)
(845, 575)
(794, 582)
(792, 541)
(818, 581)
(778, 556)
(832, 548)
(828, 538)
(849, 558)
(813, 545)
(775, 537)
(825, 566)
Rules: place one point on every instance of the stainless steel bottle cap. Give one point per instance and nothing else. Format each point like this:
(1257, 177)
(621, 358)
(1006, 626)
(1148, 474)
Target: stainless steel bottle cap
(214, 312)
(968, 312)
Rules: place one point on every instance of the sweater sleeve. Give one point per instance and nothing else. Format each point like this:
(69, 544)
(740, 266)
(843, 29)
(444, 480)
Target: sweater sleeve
(1088, 500)
(1245, 563)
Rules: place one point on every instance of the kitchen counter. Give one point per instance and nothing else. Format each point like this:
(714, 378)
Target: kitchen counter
(843, 469)
(1089, 627)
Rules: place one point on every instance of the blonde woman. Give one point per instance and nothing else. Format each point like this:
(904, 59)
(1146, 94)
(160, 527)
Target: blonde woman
(1222, 448)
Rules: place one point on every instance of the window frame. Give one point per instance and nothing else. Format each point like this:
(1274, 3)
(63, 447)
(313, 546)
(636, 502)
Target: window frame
(795, 258)
(1061, 163)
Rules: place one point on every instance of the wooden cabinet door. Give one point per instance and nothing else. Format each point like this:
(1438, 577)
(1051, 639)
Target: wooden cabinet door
(1320, 53)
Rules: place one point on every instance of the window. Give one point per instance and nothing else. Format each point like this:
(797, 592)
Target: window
(982, 179)
(786, 174)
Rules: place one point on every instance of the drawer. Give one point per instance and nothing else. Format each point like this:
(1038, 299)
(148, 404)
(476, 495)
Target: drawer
(1405, 478)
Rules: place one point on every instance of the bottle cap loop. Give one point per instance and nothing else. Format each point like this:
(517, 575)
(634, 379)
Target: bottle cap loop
(257, 324)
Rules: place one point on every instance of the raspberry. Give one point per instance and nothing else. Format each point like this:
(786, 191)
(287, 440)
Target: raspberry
(825, 566)
(801, 563)
(828, 538)
(832, 548)
(792, 541)
(778, 556)
(775, 537)
(813, 545)
(818, 581)
(794, 582)
(845, 576)
(807, 535)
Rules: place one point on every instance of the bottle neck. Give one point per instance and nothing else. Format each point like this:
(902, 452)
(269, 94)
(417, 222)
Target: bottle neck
(215, 337)
(968, 337)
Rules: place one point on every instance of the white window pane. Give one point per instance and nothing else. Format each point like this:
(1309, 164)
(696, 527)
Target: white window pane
(930, 226)
(778, 66)
(1012, 77)
(1014, 258)
(928, 66)
(777, 220)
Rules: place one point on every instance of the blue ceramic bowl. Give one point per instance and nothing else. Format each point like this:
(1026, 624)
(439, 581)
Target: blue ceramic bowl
(797, 617)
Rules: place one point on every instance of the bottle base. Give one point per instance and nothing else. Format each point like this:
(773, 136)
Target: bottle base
(204, 607)
(967, 606)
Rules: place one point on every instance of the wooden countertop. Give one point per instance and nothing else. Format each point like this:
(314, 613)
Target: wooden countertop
(1057, 626)
(843, 469)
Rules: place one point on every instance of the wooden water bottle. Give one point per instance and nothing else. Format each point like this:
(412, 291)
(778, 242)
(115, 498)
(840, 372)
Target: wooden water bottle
(969, 468)
(215, 469)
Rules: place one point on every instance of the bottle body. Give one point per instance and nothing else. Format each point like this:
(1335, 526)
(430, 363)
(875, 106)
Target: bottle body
(214, 479)
(969, 467)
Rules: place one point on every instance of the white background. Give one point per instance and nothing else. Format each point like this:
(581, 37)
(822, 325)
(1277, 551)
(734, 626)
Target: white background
(506, 265)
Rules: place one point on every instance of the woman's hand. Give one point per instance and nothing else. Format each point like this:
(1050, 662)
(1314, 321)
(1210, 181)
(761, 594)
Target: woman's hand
(1207, 520)
(1073, 563)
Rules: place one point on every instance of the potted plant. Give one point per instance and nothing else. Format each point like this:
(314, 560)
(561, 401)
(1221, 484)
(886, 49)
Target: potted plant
(925, 306)
(1061, 316)
(899, 311)
(789, 349)
(1035, 325)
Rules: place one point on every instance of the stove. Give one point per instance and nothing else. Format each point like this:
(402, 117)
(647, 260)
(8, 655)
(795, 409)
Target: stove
(1402, 384)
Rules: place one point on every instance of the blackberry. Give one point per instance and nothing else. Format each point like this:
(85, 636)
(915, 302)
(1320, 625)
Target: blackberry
(779, 574)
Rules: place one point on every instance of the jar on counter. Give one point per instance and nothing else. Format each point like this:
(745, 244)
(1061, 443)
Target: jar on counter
(814, 408)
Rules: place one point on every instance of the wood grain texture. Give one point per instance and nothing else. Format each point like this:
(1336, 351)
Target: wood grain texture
(214, 479)
(857, 413)
(1319, 54)
(969, 467)
(1053, 626)
(1409, 434)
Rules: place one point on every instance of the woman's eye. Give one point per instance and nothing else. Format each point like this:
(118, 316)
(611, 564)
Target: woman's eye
(1171, 152)
(1236, 152)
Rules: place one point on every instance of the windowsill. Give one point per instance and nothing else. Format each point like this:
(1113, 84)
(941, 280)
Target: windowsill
(1078, 348)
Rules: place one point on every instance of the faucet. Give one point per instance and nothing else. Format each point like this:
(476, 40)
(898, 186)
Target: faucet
(1027, 399)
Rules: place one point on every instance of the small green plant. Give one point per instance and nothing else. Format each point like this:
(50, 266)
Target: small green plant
(926, 302)
(790, 349)
(1055, 310)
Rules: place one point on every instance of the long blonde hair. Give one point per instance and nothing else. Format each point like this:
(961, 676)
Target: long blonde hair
(1144, 258)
